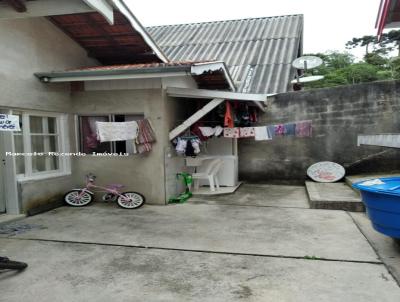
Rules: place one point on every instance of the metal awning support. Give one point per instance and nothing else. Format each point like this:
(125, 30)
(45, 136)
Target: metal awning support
(195, 117)
(258, 99)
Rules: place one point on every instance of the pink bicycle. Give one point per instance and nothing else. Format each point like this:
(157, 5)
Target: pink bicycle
(82, 197)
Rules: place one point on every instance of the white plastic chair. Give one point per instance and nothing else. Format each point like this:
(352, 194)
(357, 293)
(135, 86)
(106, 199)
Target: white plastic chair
(210, 174)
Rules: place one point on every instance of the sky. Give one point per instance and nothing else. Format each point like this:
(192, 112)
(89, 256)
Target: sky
(328, 24)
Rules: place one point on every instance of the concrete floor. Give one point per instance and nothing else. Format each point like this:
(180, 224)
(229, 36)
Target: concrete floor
(260, 251)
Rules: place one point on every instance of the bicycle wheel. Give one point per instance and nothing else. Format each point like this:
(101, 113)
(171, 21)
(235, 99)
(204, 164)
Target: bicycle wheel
(6, 263)
(135, 200)
(76, 199)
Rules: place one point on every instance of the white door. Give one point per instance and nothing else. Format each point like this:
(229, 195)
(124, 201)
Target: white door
(8, 185)
(2, 177)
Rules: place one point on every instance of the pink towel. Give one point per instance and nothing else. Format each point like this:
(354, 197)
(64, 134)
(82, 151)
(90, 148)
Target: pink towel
(304, 129)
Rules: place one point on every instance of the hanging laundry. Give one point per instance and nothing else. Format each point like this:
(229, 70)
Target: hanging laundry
(253, 115)
(279, 130)
(207, 131)
(181, 146)
(231, 132)
(196, 145)
(228, 120)
(271, 131)
(189, 149)
(290, 129)
(244, 115)
(146, 136)
(246, 132)
(261, 134)
(116, 131)
(195, 129)
(218, 130)
(304, 129)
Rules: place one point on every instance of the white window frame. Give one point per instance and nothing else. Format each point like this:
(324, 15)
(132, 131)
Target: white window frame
(64, 162)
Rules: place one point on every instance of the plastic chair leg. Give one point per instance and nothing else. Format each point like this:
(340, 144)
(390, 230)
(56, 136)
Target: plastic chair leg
(211, 180)
(216, 182)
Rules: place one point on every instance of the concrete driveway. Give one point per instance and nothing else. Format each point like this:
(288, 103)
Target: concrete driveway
(271, 248)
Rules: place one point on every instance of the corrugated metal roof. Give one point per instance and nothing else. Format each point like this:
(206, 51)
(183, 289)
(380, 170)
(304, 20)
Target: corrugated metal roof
(258, 52)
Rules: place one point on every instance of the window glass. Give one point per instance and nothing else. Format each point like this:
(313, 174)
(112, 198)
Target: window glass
(52, 127)
(19, 160)
(36, 124)
(37, 143)
(89, 141)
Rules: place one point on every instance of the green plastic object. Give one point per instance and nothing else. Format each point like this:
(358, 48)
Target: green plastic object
(183, 197)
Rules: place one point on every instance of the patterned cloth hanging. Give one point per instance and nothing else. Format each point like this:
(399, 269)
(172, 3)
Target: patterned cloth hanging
(146, 136)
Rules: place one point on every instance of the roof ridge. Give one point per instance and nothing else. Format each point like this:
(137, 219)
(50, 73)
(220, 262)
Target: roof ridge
(228, 20)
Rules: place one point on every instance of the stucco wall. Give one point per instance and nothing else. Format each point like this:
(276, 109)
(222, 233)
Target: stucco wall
(36, 45)
(142, 173)
(28, 46)
(338, 115)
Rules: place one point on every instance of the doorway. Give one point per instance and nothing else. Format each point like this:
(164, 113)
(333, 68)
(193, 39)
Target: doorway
(8, 186)
(2, 176)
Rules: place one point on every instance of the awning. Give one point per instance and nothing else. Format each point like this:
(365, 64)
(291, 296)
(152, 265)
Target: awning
(211, 75)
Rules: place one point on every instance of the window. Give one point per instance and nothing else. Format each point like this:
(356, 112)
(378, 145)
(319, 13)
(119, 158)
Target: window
(42, 135)
(88, 138)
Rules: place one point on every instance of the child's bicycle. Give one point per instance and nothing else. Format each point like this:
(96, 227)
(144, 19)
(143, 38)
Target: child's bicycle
(6, 263)
(82, 197)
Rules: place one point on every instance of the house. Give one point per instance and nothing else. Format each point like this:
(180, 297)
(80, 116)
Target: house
(388, 15)
(66, 66)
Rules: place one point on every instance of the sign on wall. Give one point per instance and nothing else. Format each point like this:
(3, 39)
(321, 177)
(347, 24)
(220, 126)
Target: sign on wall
(9, 122)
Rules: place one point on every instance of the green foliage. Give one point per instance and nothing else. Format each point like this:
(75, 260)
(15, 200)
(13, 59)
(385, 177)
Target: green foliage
(341, 68)
(376, 59)
(360, 73)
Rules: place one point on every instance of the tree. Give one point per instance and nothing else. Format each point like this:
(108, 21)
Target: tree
(391, 40)
(364, 41)
(335, 59)
(376, 59)
(339, 68)
(360, 73)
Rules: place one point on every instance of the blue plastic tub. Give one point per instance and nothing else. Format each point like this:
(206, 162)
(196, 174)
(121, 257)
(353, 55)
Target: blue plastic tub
(381, 197)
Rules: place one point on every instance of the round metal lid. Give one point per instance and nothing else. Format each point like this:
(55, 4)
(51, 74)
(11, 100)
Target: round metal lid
(326, 171)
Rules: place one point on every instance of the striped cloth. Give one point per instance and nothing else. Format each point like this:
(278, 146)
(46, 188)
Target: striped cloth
(145, 136)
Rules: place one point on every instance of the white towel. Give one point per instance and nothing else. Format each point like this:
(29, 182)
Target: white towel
(207, 131)
(261, 134)
(116, 131)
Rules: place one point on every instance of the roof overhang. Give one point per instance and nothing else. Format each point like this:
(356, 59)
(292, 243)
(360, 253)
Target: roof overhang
(106, 29)
(17, 9)
(207, 75)
(123, 42)
(388, 15)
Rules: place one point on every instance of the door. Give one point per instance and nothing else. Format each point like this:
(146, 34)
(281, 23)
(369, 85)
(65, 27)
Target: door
(2, 176)
(8, 185)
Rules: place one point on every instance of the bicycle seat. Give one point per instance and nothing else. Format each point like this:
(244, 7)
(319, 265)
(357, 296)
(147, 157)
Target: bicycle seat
(115, 186)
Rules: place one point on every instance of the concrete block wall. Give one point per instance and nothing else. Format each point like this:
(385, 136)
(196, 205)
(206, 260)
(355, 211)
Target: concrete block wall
(339, 115)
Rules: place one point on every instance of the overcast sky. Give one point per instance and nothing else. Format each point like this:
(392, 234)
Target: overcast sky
(328, 24)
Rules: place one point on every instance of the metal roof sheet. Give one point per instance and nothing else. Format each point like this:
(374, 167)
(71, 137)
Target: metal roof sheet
(258, 51)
